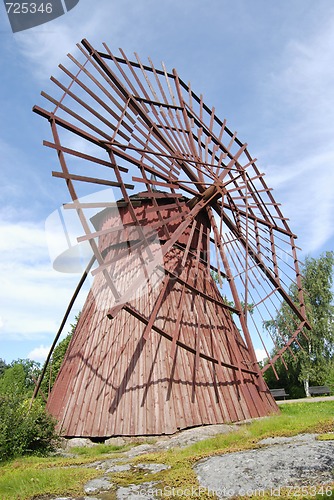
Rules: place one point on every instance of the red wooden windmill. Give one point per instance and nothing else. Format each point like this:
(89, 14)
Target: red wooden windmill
(191, 256)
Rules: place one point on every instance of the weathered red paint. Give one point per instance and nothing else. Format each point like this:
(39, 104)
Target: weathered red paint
(114, 382)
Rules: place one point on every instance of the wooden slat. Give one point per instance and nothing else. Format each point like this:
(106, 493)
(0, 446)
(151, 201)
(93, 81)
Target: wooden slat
(83, 156)
(92, 180)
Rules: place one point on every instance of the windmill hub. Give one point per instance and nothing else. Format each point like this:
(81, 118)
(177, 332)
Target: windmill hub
(205, 196)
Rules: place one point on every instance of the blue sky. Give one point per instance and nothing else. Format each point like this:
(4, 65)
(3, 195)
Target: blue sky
(267, 67)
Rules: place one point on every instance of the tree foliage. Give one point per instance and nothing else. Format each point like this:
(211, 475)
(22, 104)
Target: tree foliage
(13, 381)
(55, 364)
(3, 366)
(57, 360)
(309, 360)
(19, 376)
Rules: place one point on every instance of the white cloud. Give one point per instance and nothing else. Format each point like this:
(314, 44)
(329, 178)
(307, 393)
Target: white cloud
(48, 44)
(22, 241)
(19, 176)
(119, 24)
(301, 121)
(33, 297)
(307, 196)
(260, 354)
(309, 76)
(39, 353)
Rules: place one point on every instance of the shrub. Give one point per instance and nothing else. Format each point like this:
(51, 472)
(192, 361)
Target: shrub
(24, 431)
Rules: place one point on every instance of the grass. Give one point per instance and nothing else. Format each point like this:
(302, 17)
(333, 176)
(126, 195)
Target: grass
(28, 477)
(326, 437)
(22, 483)
(24, 478)
(100, 449)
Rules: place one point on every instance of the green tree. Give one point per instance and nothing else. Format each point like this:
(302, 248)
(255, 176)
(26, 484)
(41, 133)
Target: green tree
(3, 366)
(55, 364)
(309, 361)
(19, 377)
(31, 370)
(57, 360)
(13, 381)
(219, 282)
(330, 376)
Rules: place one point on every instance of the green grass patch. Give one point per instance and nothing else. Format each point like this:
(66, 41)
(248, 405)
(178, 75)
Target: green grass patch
(326, 437)
(100, 449)
(22, 484)
(26, 477)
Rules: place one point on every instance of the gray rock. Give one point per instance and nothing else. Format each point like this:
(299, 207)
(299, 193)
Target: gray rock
(182, 439)
(62, 444)
(139, 450)
(104, 464)
(115, 441)
(288, 439)
(119, 468)
(97, 485)
(79, 443)
(144, 491)
(285, 462)
(153, 468)
(190, 436)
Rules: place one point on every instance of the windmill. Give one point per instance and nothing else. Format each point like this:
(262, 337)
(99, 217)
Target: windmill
(191, 255)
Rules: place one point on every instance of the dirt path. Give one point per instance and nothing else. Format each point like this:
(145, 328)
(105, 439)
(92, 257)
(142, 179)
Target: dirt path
(306, 400)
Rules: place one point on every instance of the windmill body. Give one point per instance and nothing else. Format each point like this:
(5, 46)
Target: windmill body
(120, 379)
(192, 255)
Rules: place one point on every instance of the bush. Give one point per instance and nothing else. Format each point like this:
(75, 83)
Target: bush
(296, 392)
(24, 431)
